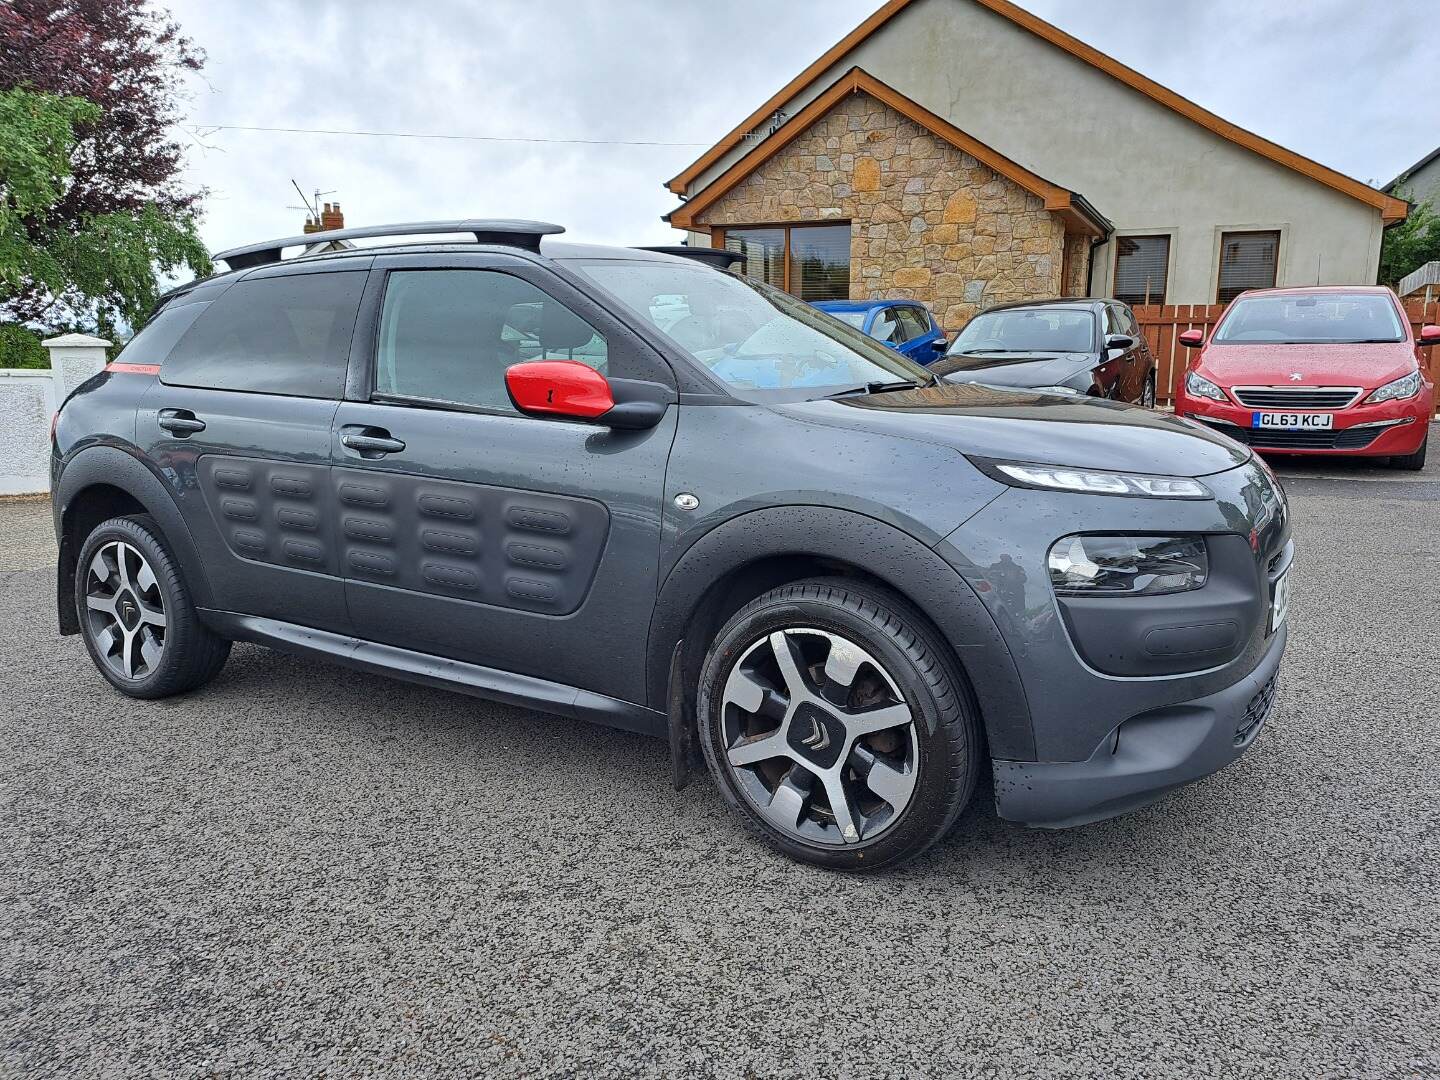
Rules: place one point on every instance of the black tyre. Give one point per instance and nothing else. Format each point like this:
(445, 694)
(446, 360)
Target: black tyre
(1147, 392)
(136, 616)
(1411, 462)
(833, 719)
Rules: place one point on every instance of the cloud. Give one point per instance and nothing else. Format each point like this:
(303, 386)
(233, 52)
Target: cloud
(1331, 80)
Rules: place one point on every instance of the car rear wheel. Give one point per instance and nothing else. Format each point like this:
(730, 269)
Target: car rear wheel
(1411, 462)
(136, 617)
(832, 719)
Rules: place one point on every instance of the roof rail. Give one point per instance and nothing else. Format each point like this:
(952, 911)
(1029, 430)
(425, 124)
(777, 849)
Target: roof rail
(502, 231)
(720, 258)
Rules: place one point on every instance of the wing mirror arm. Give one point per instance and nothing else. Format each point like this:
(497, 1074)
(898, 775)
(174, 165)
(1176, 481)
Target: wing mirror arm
(638, 404)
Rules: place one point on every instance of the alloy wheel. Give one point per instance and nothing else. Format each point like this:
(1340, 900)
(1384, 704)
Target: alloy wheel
(818, 737)
(1147, 395)
(125, 611)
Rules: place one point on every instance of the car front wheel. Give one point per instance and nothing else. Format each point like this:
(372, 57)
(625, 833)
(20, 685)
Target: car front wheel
(1411, 462)
(136, 617)
(1147, 393)
(832, 718)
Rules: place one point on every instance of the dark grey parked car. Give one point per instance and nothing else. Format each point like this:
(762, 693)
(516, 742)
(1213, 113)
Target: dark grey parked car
(1081, 346)
(494, 467)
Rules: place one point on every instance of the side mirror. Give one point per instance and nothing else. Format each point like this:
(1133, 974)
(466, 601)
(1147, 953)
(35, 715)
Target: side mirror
(1430, 335)
(576, 391)
(939, 344)
(1120, 342)
(1191, 339)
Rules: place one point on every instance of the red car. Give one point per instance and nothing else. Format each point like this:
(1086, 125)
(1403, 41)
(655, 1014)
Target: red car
(1314, 371)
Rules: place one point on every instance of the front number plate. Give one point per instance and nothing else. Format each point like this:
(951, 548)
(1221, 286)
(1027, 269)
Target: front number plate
(1280, 601)
(1293, 421)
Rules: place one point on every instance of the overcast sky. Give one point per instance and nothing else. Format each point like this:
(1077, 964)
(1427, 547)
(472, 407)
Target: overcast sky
(1351, 83)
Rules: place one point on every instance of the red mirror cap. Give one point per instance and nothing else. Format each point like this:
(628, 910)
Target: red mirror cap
(1430, 335)
(1192, 339)
(559, 388)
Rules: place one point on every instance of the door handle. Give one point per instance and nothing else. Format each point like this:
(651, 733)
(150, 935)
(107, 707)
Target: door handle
(371, 442)
(181, 422)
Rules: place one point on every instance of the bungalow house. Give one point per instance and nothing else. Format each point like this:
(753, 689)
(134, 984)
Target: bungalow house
(966, 152)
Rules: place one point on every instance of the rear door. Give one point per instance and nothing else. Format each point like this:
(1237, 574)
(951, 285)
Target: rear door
(239, 422)
(471, 531)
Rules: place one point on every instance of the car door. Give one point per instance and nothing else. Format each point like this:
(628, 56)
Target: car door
(239, 423)
(920, 334)
(1144, 365)
(1123, 366)
(885, 326)
(471, 531)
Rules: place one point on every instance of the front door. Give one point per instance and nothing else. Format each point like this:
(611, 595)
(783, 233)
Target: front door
(471, 531)
(921, 334)
(240, 425)
(1126, 367)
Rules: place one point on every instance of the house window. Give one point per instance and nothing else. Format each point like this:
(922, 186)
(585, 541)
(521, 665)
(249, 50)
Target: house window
(1248, 260)
(1142, 265)
(810, 261)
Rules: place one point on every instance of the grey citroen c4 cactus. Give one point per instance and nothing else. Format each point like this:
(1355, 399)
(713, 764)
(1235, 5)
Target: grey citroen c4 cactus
(633, 487)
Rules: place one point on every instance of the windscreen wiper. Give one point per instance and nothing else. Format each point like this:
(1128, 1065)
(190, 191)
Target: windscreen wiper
(880, 387)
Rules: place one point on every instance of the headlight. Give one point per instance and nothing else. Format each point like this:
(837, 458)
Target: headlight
(1091, 481)
(1203, 387)
(1128, 565)
(1055, 390)
(1407, 386)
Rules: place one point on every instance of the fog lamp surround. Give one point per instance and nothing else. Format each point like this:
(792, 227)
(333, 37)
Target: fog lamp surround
(1124, 565)
(1092, 481)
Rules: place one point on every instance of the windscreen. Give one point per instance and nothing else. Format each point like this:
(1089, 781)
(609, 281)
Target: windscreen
(761, 341)
(849, 318)
(1048, 330)
(1313, 319)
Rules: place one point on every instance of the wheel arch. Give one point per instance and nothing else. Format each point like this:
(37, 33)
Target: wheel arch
(754, 552)
(101, 482)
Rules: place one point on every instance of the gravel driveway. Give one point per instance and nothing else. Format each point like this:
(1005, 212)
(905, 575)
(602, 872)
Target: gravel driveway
(304, 872)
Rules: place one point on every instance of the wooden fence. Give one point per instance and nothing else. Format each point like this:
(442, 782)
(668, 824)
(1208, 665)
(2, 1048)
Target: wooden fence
(1163, 325)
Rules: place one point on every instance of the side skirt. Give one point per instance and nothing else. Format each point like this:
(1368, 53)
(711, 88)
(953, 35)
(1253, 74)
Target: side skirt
(438, 671)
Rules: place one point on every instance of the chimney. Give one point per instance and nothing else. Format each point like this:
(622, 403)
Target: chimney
(331, 218)
(311, 225)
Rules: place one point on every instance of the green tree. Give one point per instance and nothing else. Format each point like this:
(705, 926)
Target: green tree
(101, 264)
(1411, 244)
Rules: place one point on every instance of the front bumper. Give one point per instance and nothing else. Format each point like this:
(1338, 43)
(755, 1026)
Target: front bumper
(1390, 428)
(1145, 757)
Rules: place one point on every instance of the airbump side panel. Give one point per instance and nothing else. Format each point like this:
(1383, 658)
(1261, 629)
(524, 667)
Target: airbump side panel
(272, 511)
(493, 545)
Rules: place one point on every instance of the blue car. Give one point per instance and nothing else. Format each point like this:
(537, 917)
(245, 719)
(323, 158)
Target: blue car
(905, 325)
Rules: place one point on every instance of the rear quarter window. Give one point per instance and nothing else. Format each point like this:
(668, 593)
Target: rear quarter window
(274, 335)
(152, 342)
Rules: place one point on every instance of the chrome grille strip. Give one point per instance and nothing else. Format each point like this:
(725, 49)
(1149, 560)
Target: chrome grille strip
(1297, 397)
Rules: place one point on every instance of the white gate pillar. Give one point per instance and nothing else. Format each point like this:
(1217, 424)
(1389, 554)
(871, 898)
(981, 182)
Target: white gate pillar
(74, 358)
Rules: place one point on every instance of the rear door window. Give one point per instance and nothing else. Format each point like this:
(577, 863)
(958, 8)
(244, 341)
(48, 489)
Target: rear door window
(274, 335)
(449, 335)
